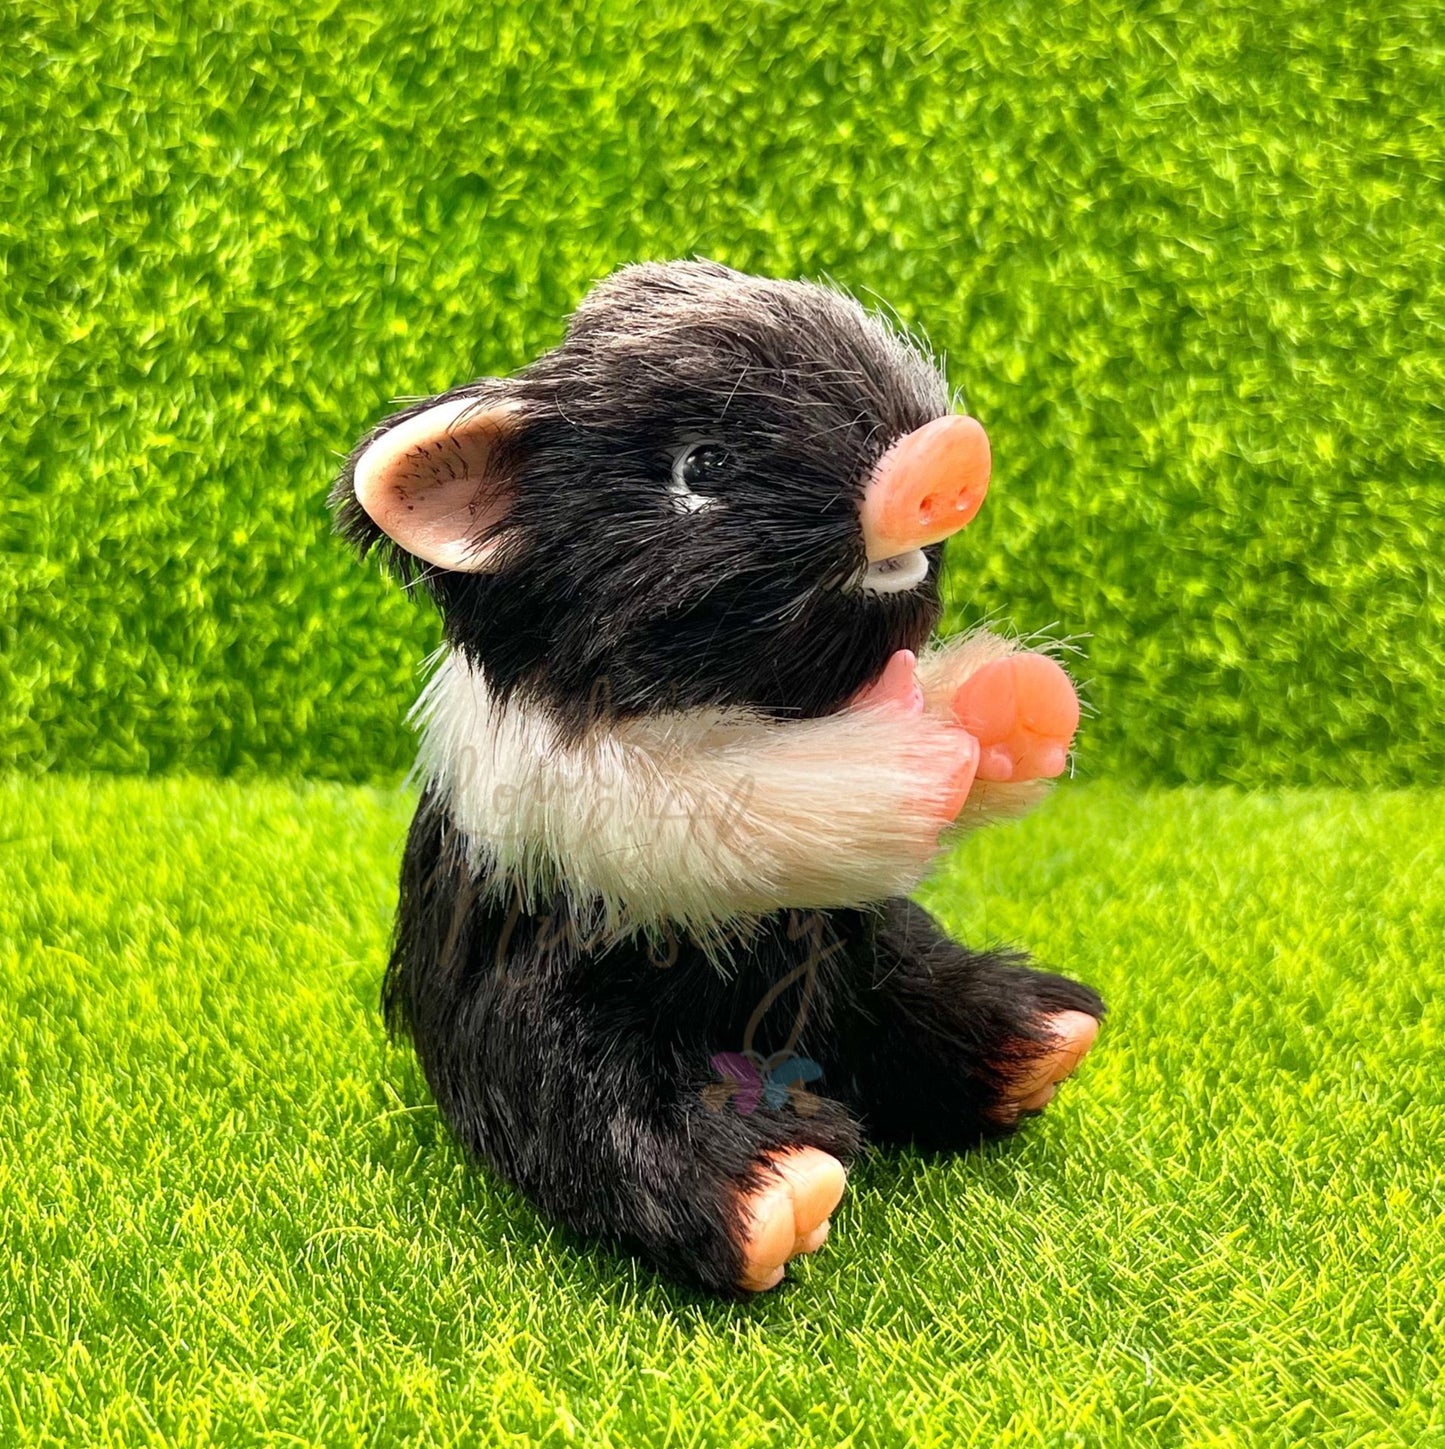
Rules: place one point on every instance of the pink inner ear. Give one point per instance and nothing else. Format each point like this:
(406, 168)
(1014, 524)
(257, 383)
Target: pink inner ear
(431, 483)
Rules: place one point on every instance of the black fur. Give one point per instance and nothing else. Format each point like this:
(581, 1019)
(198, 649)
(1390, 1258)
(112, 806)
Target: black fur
(581, 1069)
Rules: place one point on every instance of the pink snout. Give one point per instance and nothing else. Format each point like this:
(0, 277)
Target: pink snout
(926, 487)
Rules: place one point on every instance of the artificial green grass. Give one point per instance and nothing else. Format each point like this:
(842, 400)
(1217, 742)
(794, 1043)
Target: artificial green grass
(230, 1212)
(1183, 258)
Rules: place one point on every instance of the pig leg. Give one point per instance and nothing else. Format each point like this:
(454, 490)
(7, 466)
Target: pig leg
(632, 1141)
(589, 1082)
(1020, 706)
(645, 1148)
(949, 1047)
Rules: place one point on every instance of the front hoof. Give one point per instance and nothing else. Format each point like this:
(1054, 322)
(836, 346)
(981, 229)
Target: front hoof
(1023, 712)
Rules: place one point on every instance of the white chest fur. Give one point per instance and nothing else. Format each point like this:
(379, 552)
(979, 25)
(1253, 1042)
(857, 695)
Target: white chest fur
(701, 818)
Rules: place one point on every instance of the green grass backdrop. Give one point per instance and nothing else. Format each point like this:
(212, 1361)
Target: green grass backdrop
(1184, 258)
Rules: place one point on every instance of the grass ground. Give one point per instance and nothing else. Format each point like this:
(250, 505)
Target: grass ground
(230, 1212)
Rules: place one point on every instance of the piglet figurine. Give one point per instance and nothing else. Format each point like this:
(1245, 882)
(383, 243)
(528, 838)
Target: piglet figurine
(685, 754)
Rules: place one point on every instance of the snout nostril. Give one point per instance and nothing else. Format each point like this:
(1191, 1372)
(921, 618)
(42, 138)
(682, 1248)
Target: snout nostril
(962, 502)
(926, 506)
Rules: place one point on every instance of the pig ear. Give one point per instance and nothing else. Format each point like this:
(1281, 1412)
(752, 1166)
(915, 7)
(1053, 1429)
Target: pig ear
(434, 483)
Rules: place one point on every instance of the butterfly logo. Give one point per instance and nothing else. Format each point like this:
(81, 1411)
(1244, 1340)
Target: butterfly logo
(749, 1080)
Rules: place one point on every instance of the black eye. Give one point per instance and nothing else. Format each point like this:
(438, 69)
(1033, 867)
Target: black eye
(695, 471)
(701, 465)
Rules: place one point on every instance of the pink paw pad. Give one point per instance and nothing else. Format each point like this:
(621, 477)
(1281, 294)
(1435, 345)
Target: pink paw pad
(897, 687)
(1023, 712)
(1073, 1033)
(789, 1215)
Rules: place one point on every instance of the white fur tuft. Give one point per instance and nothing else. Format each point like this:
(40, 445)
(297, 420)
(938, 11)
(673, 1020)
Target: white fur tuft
(705, 819)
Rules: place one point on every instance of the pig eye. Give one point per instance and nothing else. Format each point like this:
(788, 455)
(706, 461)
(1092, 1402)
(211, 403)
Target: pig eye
(700, 464)
(695, 473)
